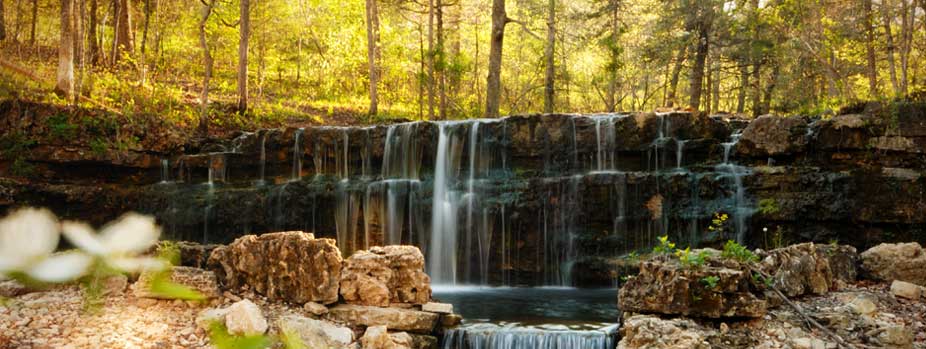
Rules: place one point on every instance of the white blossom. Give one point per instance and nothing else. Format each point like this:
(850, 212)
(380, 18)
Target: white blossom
(28, 239)
(119, 242)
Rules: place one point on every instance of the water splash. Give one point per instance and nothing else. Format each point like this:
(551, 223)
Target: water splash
(489, 336)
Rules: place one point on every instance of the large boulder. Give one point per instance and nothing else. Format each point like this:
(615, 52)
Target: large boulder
(316, 333)
(665, 286)
(904, 262)
(383, 275)
(377, 337)
(770, 135)
(809, 268)
(287, 266)
(202, 281)
(244, 318)
(393, 318)
(647, 331)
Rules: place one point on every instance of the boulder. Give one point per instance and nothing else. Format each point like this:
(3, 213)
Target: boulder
(316, 333)
(440, 308)
(245, 318)
(13, 288)
(906, 290)
(888, 262)
(202, 281)
(115, 285)
(315, 308)
(377, 337)
(207, 317)
(393, 318)
(383, 275)
(288, 266)
(664, 286)
(810, 268)
(647, 331)
(770, 135)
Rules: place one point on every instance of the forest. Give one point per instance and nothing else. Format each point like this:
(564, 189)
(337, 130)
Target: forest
(263, 62)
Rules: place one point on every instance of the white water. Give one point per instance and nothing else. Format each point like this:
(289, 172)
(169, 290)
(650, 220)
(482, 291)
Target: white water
(489, 336)
(442, 249)
(297, 155)
(740, 210)
(165, 170)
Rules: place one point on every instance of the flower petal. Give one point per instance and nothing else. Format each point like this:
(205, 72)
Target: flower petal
(83, 237)
(61, 267)
(132, 233)
(28, 234)
(132, 265)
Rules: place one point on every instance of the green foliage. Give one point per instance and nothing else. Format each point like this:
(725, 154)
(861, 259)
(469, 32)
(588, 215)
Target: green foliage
(61, 127)
(292, 340)
(169, 251)
(710, 281)
(162, 285)
(14, 146)
(768, 206)
(718, 223)
(778, 239)
(99, 146)
(738, 252)
(761, 280)
(665, 246)
(221, 339)
(689, 260)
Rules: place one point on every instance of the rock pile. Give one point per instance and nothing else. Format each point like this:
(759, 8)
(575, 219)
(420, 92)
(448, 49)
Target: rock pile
(288, 266)
(383, 275)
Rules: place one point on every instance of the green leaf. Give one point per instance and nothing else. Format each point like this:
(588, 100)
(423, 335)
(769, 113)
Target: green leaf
(161, 285)
(221, 339)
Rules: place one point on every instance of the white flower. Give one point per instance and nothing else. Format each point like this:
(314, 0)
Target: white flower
(119, 242)
(28, 237)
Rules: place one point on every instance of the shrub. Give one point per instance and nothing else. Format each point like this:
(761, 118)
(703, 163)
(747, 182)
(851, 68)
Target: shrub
(738, 252)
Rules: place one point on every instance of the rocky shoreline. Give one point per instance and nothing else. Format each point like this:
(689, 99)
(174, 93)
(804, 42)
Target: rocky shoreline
(800, 296)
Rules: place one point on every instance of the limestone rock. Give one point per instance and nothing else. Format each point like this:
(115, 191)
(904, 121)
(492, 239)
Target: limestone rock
(245, 318)
(863, 305)
(646, 331)
(316, 333)
(12, 288)
(288, 266)
(383, 275)
(115, 285)
(663, 286)
(906, 290)
(770, 135)
(809, 268)
(450, 320)
(440, 308)
(377, 337)
(392, 318)
(905, 262)
(315, 308)
(203, 281)
(423, 341)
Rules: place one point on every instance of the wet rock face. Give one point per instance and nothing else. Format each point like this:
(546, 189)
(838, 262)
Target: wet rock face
(770, 135)
(288, 266)
(664, 286)
(888, 262)
(809, 268)
(383, 275)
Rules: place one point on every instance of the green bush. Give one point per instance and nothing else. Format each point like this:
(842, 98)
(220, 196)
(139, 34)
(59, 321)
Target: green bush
(738, 252)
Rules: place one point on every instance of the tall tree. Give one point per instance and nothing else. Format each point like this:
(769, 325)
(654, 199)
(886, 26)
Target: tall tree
(35, 17)
(889, 36)
(124, 41)
(94, 44)
(872, 71)
(549, 92)
(372, 20)
(245, 32)
(493, 80)
(208, 6)
(703, 17)
(65, 76)
(676, 72)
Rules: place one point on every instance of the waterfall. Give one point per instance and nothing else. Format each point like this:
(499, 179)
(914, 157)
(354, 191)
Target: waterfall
(489, 336)
(679, 154)
(263, 158)
(165, 171)
(740, 211)
(559, 227)
(297, 155)
(442, 249)
(605, 141)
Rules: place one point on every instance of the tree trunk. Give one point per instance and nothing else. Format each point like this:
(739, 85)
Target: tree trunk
(906, 38)
(207, 64)
(708, 91)
(697, 70)
(372, 22)
(2, 23)
(885, 12)
(125, 40)
(431, 59)
(245, 33)
(35, 16)
(673, 85)
(756, 84)
(144, 42)
(744, 82)
(549, 93)
(94, 46)
(769, 89)
(441, 68)
(493, 80)
(65, 77)
(715, 104)
(870, 48)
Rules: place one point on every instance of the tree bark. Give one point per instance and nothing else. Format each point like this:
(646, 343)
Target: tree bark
(144, 42)
(697, 70)
(906, 38)
(207, 64)
(549, 93)
(431, 78)
(744, 82)
(769, 89)
(715, 104)
(2, 23)
(125, 38)
(889, 36)
(35, 16)
(65, 76)
(245, 32)
(673, 85)
(94, 45)
(372, 22)
(493, 80)
(441, 68)
(870, 48)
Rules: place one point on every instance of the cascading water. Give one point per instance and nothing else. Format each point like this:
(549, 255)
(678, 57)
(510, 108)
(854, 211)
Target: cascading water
(515, 337)
(740, 211)
(442, 249)
(297, 155)
(165, 171)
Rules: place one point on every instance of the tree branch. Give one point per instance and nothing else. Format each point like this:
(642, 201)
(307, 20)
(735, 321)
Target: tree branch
(523, 26)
